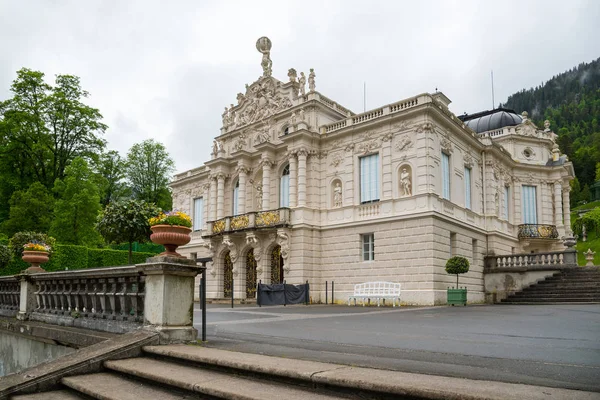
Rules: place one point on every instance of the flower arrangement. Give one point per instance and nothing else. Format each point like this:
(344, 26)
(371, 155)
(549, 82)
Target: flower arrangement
(171, 218)
(36, 245)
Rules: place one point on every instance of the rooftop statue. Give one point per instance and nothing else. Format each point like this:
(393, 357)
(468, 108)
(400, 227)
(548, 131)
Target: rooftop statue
(263, 45)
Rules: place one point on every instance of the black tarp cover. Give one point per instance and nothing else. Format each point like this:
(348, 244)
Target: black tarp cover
(280, 294)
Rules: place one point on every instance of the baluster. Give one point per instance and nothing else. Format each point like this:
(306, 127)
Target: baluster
(102, 296)
(133, 299)
(112, 291)
(46, 296)
(122, 295)
(69, 295)
(92, 291)
(85, 300)
(60, 292)
(55, 301)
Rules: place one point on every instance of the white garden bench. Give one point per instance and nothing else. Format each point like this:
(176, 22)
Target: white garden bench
(376, 290)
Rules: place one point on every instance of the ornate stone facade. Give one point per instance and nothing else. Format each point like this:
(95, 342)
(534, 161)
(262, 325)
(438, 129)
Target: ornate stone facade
(300, 181)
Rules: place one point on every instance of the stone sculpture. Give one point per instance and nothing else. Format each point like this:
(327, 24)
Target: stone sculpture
(302, 84)
(337, 195)
(405, 183)
(263, 45)
(311, 80)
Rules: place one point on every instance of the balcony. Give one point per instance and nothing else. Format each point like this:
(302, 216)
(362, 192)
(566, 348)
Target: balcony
(280, 217)
(536, 231)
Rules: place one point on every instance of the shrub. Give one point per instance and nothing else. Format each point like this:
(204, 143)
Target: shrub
(5, 256)
(19, 239)
(457, 265)
(111, 258)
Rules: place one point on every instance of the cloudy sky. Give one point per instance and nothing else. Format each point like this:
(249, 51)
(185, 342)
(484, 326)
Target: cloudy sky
(166, 69)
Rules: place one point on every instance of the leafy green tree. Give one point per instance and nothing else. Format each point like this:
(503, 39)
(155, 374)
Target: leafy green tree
(111, 169)
(597, 171)
(457, 265)
(126, 222)
(77, 207)
(5, 255)
(148, 171)
(42, 129)
(30, 210)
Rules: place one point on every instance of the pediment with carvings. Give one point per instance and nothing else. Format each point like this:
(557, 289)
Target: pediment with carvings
(263, 99)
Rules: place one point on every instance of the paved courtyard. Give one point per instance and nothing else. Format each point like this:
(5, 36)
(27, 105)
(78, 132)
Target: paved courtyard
(548, 345)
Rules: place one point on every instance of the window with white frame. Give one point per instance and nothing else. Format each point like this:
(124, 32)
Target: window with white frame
(529, 201)
(368, 246)
(445, 176)
(198, 213)
(284, 187)
(505, 198)
(369, 178)
(236, 196)
(468, 188)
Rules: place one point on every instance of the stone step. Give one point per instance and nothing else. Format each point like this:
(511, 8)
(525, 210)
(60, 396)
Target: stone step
(570, 283)
(54, 395)
(209, 382)
(573, 299)
(560, 292)
(572, 278)
(547, 294)
(108, 386)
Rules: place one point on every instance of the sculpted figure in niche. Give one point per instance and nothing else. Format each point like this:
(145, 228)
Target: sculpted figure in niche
(311, 80)
(259, 197)
(302, 82)
(337, 195)
(405, 183)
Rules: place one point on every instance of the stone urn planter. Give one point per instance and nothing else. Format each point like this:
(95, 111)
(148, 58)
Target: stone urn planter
(170, 236)
(35, 258)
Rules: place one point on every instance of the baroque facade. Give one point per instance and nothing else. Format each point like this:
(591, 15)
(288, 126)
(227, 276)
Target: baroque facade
(300, 189)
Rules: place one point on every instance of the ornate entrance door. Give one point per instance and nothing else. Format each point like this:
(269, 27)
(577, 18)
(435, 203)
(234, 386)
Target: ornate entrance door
(276, 265)
(227, 276)
(250, 275)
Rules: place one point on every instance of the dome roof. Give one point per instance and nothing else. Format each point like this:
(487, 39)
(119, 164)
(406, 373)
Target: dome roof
(491, 120)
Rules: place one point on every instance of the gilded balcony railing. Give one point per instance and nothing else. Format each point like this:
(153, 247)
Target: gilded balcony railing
(537, 231)
(252, 220)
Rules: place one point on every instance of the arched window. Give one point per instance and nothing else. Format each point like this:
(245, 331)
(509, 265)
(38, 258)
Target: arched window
(284, 187)
(236, 192)
(286, 130)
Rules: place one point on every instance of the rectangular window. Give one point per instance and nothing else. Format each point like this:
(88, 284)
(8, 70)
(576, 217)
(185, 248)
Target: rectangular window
(284, 191)
(198, 213)
(369, 178)
(468, 188)
(445, 176)
(506, 197)
(529, 205)
(452, 244)
(236, 195)
(368, 246)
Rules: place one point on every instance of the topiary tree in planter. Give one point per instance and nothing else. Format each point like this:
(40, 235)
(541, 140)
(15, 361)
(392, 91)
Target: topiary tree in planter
(457, 265)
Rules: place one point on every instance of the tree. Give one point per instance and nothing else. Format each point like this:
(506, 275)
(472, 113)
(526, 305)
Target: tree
(457, 265)
(77, 207)
(30, 210)
(16, 242)
(42, 129)
(149, 167)
(111, 170)
(597, 172)
(126, 222)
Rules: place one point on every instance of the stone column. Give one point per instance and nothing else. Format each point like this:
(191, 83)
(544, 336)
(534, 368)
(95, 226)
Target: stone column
(242, 189)
(567, 210)
(27, 301)
(213, 199)
(293, 179)
(220, 196)
(169, 299)
(558, 211)
(302, 155)
(266, 183)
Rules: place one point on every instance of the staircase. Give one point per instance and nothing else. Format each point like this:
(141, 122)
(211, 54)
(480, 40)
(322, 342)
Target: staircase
(573, 285)
(193, 372)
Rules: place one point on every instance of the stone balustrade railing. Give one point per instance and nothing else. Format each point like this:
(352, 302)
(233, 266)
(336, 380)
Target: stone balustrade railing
(157, 295)
(106, 294)
(552, 260)
(10, 294)
(380, 112)
(252, 220)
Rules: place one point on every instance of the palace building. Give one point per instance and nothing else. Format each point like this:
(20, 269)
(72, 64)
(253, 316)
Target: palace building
(299, 188)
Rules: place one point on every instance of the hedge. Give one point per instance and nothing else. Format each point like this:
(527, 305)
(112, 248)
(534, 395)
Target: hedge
(79, 257)
(140, 247)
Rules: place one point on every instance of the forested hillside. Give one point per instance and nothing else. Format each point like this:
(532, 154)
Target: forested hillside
(571, 102)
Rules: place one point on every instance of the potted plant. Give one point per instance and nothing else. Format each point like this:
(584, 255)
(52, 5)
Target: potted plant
(36, 253)
(457, 265)
(171, 229)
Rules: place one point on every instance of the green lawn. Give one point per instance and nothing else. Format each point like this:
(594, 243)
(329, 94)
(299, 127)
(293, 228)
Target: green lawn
(593, 242)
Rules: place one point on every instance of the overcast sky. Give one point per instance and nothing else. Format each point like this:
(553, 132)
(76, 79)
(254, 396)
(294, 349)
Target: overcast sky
(166, 69)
